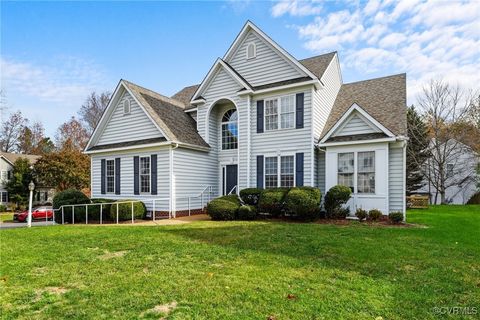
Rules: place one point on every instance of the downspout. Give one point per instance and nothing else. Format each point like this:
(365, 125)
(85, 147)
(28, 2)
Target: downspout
(248, 139)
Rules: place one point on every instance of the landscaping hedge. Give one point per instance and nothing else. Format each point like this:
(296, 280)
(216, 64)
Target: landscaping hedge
(69, 197)
(247, 212)
(94, 211)
(475, 199)
(223, 208)
(303, 202)
(395, 217)
(272, 201)
(361, 214)
(374, 214)
(335, 198)
(250, 196)
(125, 210)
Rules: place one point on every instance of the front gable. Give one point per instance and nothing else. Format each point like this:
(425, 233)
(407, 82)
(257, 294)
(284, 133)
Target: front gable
(355, 124)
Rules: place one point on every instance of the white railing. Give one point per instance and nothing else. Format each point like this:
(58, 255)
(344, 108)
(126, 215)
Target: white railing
(233, 189)
(205, 196)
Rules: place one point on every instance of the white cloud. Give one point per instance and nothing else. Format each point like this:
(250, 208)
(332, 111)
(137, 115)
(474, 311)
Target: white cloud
(425, 39)
(296, 8)
(68, 80)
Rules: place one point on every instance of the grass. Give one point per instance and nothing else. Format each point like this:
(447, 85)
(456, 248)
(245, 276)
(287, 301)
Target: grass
(244, 270)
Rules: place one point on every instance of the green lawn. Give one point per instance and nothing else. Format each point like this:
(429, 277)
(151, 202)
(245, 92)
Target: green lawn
(244, 270)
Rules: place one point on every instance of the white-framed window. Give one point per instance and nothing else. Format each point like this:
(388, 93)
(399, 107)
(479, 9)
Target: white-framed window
(145, 174)
(110, 175)
(4, 175)
(366, 172)
(280, 113)
(126, 106)
(230, 130)
(271, 172)
(346, 169)
(4, 197)
(280, 171)
(251, 50)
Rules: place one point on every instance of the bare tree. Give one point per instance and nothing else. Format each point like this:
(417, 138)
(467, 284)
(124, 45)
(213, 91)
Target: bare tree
(71, 134)
(11, 131)
(91, 111)
(444, 106)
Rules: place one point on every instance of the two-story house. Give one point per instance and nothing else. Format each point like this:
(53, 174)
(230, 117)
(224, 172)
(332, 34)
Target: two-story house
(260, 118)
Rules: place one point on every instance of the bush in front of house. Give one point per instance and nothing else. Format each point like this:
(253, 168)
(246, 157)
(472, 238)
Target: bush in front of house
(303, 203)
(232, 198)
(70, 197)
(335, 198)
(395, 217)
(3, 208)
(374, 214)
(474, 199)
(246, 212)
(223, 208)
(125, 210)
(250, 196)
(361, 214)
(272, 201)
(94, 210)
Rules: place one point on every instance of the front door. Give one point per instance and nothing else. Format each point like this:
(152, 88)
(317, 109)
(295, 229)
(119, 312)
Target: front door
(229, 178)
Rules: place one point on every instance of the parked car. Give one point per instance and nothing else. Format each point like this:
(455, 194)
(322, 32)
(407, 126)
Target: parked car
(38, 213)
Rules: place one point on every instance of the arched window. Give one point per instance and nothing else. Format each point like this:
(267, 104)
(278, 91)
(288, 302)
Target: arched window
(230, 130)
(251, 50)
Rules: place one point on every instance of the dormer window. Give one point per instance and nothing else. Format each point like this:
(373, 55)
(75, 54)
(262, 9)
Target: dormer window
(251, 51)
(126, 106)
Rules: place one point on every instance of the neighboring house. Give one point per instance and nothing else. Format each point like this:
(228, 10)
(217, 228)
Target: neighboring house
(460, 169)
(260, 118)
(43, 195)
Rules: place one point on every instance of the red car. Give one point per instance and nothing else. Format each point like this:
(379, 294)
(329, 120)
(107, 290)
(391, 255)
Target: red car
(38, 213)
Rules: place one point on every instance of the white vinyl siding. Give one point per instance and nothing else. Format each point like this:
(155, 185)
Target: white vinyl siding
(321, 171)
(396, 177)
(121, 127)
(126, 174)
(355, 124)
(269, 66)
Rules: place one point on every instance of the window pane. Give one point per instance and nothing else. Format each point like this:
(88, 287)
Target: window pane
(287, 110)
(145, 174)
(110, 175)
(271, 172)
(287, 172)
(230, 130)
(346, 169)
(271, 114)
(366, 172)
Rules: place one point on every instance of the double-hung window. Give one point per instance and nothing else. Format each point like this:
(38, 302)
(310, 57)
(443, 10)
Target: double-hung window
(145, 174)
(4, 176)
(110, 176)
(280, 171)
(280, 113)
(4, 197)
(366, 172)
(346, 169)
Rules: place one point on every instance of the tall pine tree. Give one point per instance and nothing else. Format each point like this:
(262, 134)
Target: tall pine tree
(417, 150)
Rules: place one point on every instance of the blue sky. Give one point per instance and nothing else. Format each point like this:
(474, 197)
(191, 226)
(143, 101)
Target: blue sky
(53, 54)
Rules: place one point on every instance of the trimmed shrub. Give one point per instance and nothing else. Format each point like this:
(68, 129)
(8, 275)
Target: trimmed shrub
(222, 209)
(3, 208)
(374, 214)
(272, 201)
(232, 198)
(475, 199)
(250, 196)
(303, 202)
(361, 214)
(68, 197)
(335, 198)
(395, 217)
(246, 212)
(94, 211)
(125, 210)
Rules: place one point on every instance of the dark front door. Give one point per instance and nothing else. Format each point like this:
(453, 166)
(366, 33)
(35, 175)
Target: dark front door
(230, 178)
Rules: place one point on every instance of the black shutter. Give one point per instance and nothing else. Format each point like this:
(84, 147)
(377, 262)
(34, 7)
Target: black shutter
(102, 174)
(260, 172)
(153, 176)
(117, 175)
(299, 169)
(259, 116)
(136, 171)
(299, 110)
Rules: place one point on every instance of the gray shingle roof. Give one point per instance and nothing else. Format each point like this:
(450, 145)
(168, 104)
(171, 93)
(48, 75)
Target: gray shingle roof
(185, 95)
(169, 114)
(12, 157)
(318, 64)
(382, 98)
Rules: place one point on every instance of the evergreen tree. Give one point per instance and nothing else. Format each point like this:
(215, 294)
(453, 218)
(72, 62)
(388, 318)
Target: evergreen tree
(17, 187)
(417, 150)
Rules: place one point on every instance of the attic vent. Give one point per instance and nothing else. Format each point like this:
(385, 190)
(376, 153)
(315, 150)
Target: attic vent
(126, 106)
(251, 50)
